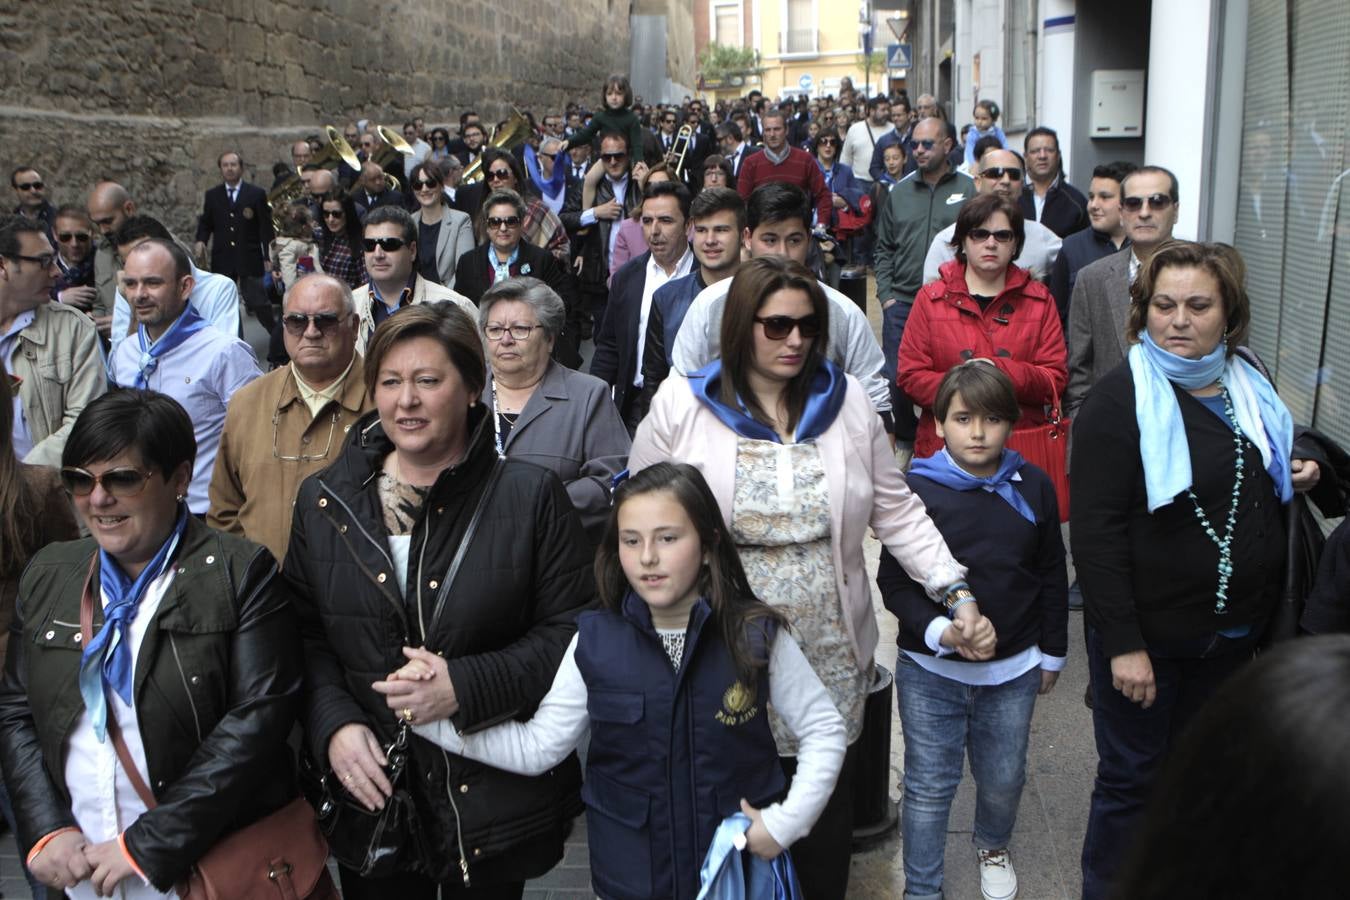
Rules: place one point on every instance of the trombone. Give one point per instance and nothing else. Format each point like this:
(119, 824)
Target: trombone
(678, 150)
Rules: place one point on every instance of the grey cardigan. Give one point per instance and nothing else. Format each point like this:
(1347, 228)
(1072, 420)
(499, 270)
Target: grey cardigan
(571, 426)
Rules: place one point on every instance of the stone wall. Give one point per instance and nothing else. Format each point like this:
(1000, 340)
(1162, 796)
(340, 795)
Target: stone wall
(150, 92)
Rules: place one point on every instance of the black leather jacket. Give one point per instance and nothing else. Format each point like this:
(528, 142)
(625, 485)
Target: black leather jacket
(216, 694)
(503, 630)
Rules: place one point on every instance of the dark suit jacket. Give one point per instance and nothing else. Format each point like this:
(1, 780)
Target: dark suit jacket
(615, 361)
(736, 164)
(1098, 314)
(594, 239)
(387, 198)
(473, 276)
(240, 233)
(1065, 209)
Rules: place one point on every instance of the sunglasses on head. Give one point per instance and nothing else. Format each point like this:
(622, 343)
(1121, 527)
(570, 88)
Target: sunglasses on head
(613, 157)
(997, 172)
(125, 482)
(298, 323)
(777, 328)
(29, 186)
(1154, 201)
(387, 244)
(1002, 235)
(66, 237)
(495, 222)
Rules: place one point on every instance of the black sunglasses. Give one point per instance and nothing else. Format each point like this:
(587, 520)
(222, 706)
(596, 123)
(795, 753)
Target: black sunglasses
(388, 245)
(997, 172)
(494, 223)
(1155, 201)
(437, 137)
(926, 144)
(498, 174)
(422, 183)
(613, 157)
(298, 323)
(547, 155)
(333, 214)
(66, 237)
(29, 186)
(980, 235)
(117, 482)
(777, 328)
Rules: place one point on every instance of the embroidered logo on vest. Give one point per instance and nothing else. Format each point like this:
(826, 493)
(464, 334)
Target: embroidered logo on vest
(738, 705)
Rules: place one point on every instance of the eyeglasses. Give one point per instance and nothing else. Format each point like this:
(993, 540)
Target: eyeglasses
(777, 328)
(498, 174)
(1154, 201)
(997, 172)
(518, 332)
(547, 155)
(298, 323)
(926, 143)
(437, 139)
(29, 186)
(44, 261)
(333, 214)
(422, 184)
(494, 223)
(613, 157)
(387, 244)
(66, 237)
(126, 482)
(304, 457)
(980, 235)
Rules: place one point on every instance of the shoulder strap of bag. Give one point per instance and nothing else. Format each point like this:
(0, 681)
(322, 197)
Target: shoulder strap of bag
(114, 730)
(453, 570)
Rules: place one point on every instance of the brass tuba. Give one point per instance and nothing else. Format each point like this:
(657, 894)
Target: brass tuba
(509, 135)
(336, 151)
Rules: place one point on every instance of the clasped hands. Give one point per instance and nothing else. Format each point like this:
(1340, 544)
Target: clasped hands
(970, 634)
(421, 691)
(70, 858)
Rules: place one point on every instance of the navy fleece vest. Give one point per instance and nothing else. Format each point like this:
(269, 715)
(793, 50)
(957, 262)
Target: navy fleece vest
(671, 753)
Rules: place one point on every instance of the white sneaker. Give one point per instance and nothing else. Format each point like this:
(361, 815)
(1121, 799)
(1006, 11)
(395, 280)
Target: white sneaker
(998, 881)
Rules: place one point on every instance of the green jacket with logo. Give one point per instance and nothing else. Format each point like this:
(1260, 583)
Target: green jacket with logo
(910, 218)
(216, 693)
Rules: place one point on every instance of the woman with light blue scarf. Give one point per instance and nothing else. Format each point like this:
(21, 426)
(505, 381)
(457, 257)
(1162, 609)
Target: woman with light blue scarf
(1182, 464)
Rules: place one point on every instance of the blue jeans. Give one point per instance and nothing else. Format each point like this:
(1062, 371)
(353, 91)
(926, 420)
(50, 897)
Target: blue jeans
(942, 721)
(1133, 742)
(893, 319)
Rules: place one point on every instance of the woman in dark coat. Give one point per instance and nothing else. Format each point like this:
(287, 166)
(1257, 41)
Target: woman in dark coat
(371, 544)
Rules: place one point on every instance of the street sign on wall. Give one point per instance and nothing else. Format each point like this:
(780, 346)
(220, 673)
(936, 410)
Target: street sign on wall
(899, 56)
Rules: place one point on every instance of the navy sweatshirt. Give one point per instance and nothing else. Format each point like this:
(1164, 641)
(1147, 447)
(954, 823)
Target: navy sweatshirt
(1016, 567)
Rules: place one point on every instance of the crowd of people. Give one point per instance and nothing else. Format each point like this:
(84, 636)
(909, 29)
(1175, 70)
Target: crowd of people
(577, 433)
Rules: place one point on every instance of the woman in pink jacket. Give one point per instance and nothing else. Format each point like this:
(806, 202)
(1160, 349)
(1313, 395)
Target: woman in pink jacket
(801, 466)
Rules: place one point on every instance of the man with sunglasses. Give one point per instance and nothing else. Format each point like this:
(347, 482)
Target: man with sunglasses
(1100, 304)
(390, 246)
(75, 260)
(31, 192)
(177, 352)
(1052, 201)
(1000, 172)
(52, 349)
(616, 196)
(292, 422)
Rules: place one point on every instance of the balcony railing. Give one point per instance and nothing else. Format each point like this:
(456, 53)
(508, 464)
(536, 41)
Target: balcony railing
(799, 40)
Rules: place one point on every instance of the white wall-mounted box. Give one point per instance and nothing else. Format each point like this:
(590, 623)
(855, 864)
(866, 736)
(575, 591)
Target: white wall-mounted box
(1117, 103)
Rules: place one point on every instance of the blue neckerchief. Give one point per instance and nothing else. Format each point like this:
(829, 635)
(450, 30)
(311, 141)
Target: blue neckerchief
(828, 173)
(106, 661)
(547, 188)
(1163, 446)
(944, 470)
(822, 404)
(501, 271)
(185, 326)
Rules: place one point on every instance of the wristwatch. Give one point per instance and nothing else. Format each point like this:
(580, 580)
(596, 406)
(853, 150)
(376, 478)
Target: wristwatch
(957, 596)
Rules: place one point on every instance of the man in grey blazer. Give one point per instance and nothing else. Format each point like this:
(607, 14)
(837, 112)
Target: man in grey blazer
(1100, 304)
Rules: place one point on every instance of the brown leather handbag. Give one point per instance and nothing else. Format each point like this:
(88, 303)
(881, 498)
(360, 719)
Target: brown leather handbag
(282, 856)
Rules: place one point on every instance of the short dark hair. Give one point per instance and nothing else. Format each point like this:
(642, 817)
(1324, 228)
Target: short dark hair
(1042, 131)
(774, 112)
(986, 390)
(500, 196)
(1174, 191)
(11, 228)
(877, 100)
(670, 189)
(711, 201)
(221, 158)
(978, 209)
(463, 129)
(728, 128)
(14, 176)
(182, 263)
(464, 117)
(393, 215)
(152, 425)
(140, 226)
(777, 201)
(1116, 171)
(615, 135)
(444, 323)
(621, 82)
(71, 211)
(428, 169)
(991, 142)
(1220, 260)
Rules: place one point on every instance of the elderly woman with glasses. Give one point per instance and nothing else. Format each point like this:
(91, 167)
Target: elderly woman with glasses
(153, 676)
(443, 234)
(544, 412)
(541, 227)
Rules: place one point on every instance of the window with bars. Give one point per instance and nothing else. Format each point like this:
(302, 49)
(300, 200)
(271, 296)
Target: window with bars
(799, 34)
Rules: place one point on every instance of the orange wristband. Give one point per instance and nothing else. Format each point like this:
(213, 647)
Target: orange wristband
(122, 842)
(44, 841)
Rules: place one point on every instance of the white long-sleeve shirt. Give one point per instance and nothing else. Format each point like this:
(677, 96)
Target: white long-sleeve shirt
(534, 747)
(1038, 253)
(859, 143)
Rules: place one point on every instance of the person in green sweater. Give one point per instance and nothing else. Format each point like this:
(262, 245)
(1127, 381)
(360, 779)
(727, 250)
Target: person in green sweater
(616, 114)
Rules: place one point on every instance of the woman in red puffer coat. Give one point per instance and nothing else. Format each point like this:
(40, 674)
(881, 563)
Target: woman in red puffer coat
(983, 307)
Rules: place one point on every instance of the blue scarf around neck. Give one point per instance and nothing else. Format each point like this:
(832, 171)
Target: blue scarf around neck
(822, 404)
(185, 326)
(1163, 444)
(942, 469)
(106, 661)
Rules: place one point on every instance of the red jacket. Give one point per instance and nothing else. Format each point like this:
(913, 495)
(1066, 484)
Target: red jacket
(1019, 331)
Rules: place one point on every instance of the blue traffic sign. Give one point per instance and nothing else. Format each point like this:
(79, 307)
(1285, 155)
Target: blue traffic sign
(899, 56)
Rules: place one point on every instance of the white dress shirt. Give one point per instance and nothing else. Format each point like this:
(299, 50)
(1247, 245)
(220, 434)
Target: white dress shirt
(656, 277)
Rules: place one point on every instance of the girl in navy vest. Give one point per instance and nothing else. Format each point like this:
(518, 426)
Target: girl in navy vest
(968, 680)
(672, 677)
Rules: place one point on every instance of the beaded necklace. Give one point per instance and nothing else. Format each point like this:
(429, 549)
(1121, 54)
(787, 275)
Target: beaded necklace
(1225, 544)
